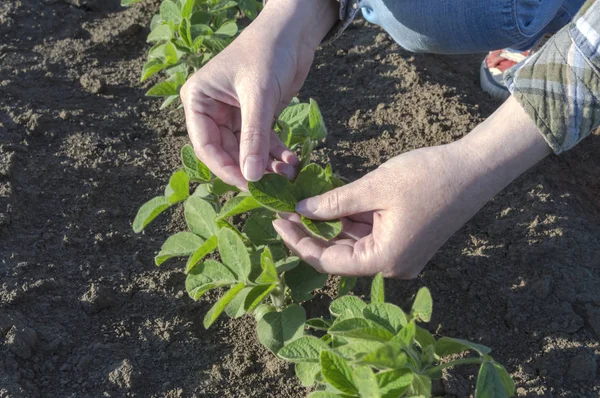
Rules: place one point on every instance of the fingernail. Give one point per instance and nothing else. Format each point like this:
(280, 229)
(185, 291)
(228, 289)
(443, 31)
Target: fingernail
(307, 206)
(291, 158)
(254, 168)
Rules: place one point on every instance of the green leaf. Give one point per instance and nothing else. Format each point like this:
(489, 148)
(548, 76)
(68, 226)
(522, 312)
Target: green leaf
(347, 303)
(185, 32)
(277, 329)
(360, 328)
(152, 67)
(507, 381)
(262, 310)
(378, 289)
(424, 338)
(312, 181)
(170, 54)
(307, 372)
(274, 192)
(220, 188)
(168, 101)
(207, 276)
(303, 280)
(489, 382)
(449, 346)
(259, 228)
(200, 217)
(163, 89)
(160, 33)
(296, 117)
(249, 8)
(337, 372)
(326, 394)
(318, 324)
(388, 356)
(242, 203)
(269, 273)
(207, 247)
(257, 295)
(365, 381)
(347, 283)
(287, 264)
(126, 3)
(318, 131)
(179, 245)
(235, 309)
(178, 189)
(170, 12)
(155, 21)
(234, 253)
(217, 309)
(187, 8)
(423, 305)
(420, 386)
(407, 334)
(357, 349)
(304, 349)
(229, 29)
(195, 169)
(201, 18)
(387, 315)
(149, 211)
(394, 383)
(326, 230)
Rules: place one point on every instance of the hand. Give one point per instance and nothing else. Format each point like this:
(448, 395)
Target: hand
(396, 217)
(230, 104)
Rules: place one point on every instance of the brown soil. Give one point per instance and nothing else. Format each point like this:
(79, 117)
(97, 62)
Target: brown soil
(85, 313)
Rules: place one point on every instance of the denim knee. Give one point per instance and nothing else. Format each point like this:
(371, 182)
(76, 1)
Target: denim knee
(468, 26)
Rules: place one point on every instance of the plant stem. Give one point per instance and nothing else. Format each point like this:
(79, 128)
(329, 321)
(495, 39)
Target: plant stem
(464, 361)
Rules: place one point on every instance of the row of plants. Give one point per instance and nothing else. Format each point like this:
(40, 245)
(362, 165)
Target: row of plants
(361, 349)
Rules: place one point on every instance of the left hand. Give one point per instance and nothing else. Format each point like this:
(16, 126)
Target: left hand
(396, 217)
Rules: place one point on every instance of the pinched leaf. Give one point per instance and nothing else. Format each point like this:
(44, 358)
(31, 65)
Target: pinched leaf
(257, 295)
(259, 228)
(377, 289)
(423, 305)
(304, 349)
(200, 216)
(387, 315)
(195, 169)
(449, 346)
(274, 192)
(317, 128)
(307, 372)
(347, 283)
(179, 245)
(234, 253)
(303, 280)
(149, 211)
(277, 329)
(388, 356)
(347, 303)
(312, 181)
(394, 383)
(269, 273)
(490, 383)
(296, 117)
(207, 247)
(323, 229)
(178, 189)
(169, 11)
(366, 383)
(229, 29)
(337, 372)
(217, 309)
(152, 67)
(242, 203)
(160, 33)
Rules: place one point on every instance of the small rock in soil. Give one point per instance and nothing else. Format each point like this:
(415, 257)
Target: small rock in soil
(92, 84)
(583, 367)
(22, 341)
(37, 124)
(98, 298)
(121, 374)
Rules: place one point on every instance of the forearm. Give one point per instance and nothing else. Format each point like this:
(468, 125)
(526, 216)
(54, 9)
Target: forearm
(498, 151)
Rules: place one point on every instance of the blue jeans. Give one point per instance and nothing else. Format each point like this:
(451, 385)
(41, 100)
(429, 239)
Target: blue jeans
(468, 26)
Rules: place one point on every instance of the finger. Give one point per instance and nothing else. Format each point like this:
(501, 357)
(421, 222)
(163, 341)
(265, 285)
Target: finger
(355, 230)
(336, 259)
(357, 197)
(257, 109)
(206, 139)
(281, 152)
(284, 169)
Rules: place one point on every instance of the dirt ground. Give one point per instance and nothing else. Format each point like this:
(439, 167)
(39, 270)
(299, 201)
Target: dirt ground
(85, 313)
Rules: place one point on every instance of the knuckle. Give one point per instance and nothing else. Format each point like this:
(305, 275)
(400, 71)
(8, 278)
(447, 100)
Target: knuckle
(332, 202)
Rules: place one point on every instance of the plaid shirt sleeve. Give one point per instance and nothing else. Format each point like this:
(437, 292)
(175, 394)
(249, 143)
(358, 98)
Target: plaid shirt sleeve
(559, 86)
(348, 10)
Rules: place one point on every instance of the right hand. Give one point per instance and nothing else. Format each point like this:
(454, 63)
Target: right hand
(231, 104)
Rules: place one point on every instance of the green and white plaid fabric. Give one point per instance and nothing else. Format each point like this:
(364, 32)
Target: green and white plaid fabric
(559, 86)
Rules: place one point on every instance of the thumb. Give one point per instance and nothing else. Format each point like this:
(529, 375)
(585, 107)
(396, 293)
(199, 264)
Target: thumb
(257, 111)
(355, 198)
